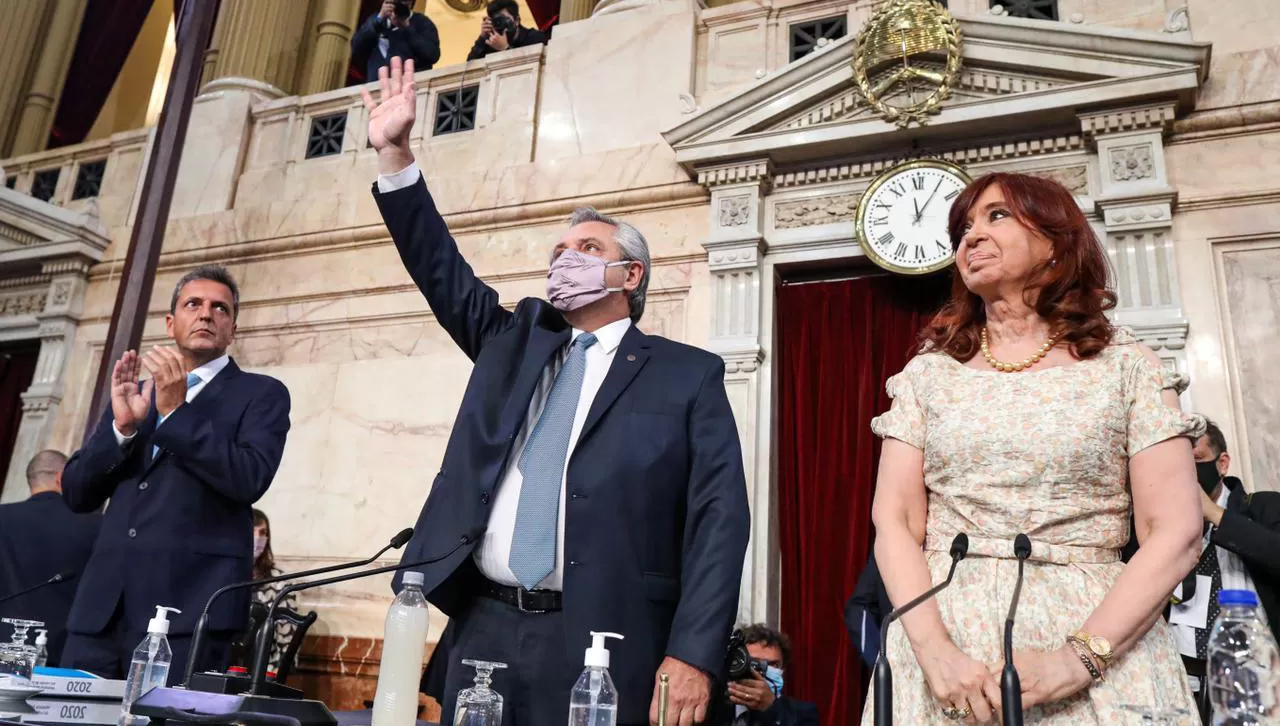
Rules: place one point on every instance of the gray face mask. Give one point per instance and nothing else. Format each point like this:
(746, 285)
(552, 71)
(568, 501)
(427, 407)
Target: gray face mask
(259, 546)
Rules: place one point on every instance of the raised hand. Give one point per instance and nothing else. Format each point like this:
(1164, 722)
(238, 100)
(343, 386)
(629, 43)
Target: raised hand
(169, 373)
(391, 117)
(130, 402)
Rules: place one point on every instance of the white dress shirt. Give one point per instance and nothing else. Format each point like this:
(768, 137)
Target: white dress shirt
(206, 373)
(406, 177)
(494, 551)
(1187, 617)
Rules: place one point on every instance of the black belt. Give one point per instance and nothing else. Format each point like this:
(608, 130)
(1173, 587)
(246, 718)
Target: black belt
(526, 601)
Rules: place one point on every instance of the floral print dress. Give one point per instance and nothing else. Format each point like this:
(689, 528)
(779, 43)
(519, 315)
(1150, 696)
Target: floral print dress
(1044, 453)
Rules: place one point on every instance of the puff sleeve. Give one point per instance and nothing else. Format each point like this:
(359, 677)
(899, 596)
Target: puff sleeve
(905, 419)
(1150, 419)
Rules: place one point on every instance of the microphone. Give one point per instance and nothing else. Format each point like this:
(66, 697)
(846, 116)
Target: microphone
(67, 576)
(263, 649)
(202, 625)
(883, 675)
(1010, 684)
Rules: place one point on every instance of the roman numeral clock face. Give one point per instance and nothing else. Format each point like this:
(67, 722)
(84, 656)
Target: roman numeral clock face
(902, 217)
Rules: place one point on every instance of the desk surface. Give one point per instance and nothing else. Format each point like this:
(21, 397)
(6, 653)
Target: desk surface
(60, 711)
(39, 710)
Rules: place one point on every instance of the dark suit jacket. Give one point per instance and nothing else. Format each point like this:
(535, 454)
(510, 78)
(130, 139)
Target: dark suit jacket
(180, 525)
(1250, 528)
(656, 520)
(420, 41)
(40, 538)
(785, 711)
(866, 610)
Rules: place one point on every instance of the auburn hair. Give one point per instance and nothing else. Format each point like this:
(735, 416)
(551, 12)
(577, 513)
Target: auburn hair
(1069, 292)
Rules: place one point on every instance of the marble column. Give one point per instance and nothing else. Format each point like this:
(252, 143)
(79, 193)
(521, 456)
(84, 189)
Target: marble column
(35, 117)
(735, 254)
(1137, 204)
(58, 323)
(331, 26)
(20, 40)
(259, 41)
(571, 10)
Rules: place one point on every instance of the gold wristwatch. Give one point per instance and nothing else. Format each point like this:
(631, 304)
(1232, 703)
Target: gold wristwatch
(1098, 646)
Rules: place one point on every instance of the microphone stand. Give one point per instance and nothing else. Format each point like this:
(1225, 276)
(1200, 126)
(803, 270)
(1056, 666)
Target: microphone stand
(202, 625)
(256, 708)
(1010, 684)
(60, 577)
(882, 676)
(263, 649)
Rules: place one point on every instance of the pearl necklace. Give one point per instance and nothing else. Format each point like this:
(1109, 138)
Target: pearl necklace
(1021, 365)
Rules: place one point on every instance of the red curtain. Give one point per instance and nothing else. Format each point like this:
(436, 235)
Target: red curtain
(837, 344)
(17, 368)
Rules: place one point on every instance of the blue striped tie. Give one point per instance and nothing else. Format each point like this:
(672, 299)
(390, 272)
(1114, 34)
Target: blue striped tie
(192, 381)
(533, 544)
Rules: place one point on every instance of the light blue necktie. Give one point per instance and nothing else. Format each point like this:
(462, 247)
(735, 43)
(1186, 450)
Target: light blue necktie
(192, 381)
(533, 544)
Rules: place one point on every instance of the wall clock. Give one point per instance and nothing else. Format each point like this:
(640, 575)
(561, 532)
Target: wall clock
(902, 217)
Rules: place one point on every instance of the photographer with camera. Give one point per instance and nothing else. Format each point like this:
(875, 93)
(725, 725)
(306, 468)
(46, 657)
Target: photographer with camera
(755, 688)
(396, 31)
(501, 30)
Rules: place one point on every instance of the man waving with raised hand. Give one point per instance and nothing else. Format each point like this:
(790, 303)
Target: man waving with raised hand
(601, 464)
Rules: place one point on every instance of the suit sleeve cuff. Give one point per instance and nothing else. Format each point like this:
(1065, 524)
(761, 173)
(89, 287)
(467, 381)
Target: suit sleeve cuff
(121, 439)
(406, 177)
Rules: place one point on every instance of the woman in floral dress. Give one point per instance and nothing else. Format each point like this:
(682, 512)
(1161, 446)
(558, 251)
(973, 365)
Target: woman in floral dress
(1028, 412)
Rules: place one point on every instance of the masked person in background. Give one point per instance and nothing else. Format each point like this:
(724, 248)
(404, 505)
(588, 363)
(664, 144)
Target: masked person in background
(759, 698)
(264, 566)
(1240, 551)
(600, 463)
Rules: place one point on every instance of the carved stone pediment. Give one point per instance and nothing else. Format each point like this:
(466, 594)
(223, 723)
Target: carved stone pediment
(34, 234)
(1021, 79)
(975, 84)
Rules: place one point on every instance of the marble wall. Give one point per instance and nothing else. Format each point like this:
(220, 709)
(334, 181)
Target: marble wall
(1250, 273)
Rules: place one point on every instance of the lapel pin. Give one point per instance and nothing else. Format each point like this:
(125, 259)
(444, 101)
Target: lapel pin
(631, 356)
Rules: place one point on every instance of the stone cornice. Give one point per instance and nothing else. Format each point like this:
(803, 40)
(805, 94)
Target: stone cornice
(741, 173)
(1088, 40)
(968, 155)
(1234, 199)
(1218, 122)
(1134, 118)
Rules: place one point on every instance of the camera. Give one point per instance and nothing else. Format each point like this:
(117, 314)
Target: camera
(738, 662)
(503, 24)
(738, 666)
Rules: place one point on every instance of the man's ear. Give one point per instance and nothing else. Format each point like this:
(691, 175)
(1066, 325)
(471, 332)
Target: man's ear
(635, 274)
(1224, 464)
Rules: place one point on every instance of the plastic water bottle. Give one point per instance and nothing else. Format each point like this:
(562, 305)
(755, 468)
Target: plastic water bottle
(594, 700)
(150, 665)
(1243, 664)
(42, 648)
(404, 645)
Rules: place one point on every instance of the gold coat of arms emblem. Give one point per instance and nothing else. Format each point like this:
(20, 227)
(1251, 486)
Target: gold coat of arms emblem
(906, 60)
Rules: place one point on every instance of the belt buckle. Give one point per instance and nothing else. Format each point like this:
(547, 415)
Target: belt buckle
(520, 593)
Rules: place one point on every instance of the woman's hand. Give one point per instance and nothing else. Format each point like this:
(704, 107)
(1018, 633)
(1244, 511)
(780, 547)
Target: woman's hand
(1047, 677)
(958, 681)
